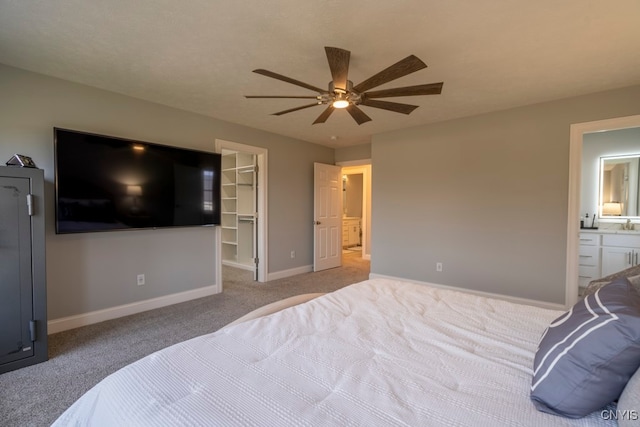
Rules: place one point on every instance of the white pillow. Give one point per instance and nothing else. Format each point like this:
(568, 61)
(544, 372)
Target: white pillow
(629, 403)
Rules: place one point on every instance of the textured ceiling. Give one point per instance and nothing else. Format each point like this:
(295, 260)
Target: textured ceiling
(198, 55)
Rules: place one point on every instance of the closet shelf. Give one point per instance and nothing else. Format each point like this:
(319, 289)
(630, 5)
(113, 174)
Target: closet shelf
(239, 195)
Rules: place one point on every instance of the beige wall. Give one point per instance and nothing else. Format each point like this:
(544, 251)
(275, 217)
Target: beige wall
(355, 152)
(353, 193)
(486, 196)
(88, 272)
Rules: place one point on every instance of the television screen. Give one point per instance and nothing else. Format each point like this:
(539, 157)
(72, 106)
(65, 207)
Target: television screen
(105, 183)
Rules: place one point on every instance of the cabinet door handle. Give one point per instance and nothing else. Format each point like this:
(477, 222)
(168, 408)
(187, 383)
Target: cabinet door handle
(629, 258)
(636, 258)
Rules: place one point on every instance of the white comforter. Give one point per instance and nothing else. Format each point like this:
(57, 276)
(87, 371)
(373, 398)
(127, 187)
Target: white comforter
(377, 353)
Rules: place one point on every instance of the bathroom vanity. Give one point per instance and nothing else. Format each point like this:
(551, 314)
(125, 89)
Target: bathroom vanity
(604, 252)
(350, 231)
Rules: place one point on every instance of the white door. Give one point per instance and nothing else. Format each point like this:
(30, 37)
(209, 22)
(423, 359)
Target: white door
(247, 204)
(327, 251)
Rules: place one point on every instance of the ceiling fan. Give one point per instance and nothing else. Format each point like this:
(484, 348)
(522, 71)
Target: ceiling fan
(343, 94)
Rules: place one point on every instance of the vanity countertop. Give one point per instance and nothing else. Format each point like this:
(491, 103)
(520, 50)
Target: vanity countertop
(609, 231)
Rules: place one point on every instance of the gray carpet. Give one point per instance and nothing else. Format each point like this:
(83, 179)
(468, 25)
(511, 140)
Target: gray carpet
(80, 358)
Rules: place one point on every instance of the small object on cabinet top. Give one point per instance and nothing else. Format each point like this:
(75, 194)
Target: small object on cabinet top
(21, 160)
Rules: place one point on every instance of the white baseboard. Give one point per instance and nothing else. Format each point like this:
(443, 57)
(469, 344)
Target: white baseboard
(517, 300)
(239, 265)
(288, 273)
(72, 322)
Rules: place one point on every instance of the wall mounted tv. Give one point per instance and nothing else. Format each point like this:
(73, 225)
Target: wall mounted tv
(105, 183)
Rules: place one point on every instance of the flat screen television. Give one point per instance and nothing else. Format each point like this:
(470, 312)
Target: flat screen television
(104, 183)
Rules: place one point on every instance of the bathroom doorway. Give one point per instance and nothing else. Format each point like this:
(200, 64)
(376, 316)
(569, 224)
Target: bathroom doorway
(356, 215)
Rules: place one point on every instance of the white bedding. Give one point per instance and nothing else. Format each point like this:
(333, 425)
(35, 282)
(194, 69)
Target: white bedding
(376, 353)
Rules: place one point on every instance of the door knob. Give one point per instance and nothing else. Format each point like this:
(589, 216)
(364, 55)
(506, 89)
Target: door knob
(316, 223)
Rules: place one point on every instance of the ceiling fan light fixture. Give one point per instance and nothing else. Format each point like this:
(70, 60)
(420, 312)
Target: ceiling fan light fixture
(340, 103)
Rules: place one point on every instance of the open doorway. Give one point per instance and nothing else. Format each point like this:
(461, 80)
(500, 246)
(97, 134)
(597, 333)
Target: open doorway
(356, 218)
(242, 234)
(578, 132)
(352, 209)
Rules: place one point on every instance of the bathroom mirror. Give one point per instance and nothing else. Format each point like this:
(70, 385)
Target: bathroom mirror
(619, 186)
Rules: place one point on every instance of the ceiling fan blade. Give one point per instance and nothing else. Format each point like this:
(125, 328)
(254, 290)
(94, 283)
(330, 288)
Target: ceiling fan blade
(391, 106)
(279, 96)
(339, 65)
(290, 110)
(408, 65)
(358, 115)
(428, 89)
(288, 80)
(325, 115)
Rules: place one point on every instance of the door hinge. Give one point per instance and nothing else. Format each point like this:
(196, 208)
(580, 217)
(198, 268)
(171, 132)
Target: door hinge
(256, 260)
(30, 204)
(32, 330)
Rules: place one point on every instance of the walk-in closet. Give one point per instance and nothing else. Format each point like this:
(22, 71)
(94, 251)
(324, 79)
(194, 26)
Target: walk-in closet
(239, 197)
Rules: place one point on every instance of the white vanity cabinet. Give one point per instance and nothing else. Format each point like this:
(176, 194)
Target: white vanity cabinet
(350, 232)
(619, 251)
(605, 252)
(589, 258)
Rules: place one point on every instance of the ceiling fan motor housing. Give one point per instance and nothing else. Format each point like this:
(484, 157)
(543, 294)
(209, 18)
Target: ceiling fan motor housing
(337, 94)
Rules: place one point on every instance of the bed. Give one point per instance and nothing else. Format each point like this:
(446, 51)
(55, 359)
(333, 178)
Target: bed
(377, 353)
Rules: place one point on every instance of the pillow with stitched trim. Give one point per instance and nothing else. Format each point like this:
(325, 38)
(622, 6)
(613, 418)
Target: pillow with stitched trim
(586, 356)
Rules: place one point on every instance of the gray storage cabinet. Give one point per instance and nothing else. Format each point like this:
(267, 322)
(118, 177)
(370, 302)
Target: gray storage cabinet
(23, 299)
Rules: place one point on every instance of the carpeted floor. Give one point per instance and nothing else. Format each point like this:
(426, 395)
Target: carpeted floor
(80, 358)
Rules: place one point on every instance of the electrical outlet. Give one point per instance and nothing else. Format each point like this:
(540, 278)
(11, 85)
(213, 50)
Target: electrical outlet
(438, 266)
(293, 254)
(140, 279)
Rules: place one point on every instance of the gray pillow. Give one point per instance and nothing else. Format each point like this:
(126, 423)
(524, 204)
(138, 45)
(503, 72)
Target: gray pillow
(629, 403)
(587, 355)
(594, 285)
